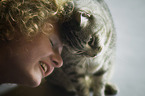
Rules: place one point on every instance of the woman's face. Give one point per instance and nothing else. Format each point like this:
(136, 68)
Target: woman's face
(27, 61)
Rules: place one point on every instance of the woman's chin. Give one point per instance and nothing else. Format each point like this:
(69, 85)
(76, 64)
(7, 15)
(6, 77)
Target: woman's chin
(36, 82)
(35, 78)
(33, 83)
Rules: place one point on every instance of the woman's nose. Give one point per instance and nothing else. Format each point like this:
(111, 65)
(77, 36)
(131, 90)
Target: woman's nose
(57, 60)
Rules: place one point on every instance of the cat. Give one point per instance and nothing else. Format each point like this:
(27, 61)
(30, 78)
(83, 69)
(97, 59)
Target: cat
(89, 38)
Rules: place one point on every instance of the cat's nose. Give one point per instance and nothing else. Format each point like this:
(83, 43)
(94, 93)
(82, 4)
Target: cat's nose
(93, 55)
(89, 54)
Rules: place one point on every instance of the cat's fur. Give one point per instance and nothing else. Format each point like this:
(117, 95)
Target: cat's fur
(88, 56)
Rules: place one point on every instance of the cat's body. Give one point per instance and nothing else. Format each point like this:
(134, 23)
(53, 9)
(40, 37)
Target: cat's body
(88, 57)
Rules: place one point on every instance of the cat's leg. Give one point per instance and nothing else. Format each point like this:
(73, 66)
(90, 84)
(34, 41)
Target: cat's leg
(98, 87)
(111, 89)
(99, 82)
(82, 87)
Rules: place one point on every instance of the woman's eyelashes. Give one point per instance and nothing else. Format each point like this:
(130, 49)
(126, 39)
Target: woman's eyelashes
(51, 43)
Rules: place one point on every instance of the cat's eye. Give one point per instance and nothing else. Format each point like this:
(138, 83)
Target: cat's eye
(91, 41)
(79, 52)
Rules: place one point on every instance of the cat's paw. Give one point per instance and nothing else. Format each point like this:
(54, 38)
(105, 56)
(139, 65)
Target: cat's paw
(111, 89)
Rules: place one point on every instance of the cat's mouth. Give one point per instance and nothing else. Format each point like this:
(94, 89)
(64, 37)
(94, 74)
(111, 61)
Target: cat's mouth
(90, 54)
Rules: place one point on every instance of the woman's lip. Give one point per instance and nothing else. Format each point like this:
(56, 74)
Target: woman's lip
(42, 71)
(48, 72)
(50, 69)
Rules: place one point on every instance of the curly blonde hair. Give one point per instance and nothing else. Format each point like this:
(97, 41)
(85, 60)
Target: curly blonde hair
(29, 15)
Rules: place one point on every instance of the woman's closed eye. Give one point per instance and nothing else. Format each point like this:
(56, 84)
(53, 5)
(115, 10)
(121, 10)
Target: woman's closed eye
(51, 43)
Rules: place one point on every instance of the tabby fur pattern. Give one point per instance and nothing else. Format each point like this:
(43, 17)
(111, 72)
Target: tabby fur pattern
(89, 38)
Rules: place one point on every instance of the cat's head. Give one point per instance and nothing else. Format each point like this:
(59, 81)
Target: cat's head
(82, 33)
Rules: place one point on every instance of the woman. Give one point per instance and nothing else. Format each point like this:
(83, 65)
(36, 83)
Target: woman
(30, 45)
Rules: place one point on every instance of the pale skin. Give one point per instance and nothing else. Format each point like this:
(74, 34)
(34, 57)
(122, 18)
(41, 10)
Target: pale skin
(20, 57)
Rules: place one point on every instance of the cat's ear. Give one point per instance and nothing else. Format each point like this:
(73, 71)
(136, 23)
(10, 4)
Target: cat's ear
(82, 18)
